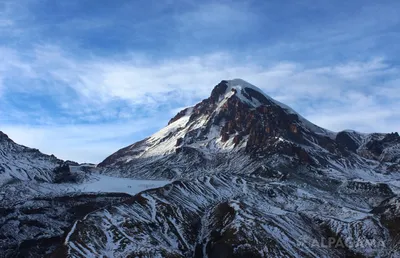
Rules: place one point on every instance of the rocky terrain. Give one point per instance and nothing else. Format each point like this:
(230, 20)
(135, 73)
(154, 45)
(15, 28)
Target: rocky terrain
(41, 198)
(18, 162)
(253, 179)
(249, 177)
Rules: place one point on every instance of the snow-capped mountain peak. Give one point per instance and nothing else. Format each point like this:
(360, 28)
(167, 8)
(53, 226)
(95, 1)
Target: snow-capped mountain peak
(255, 97)
(252, 178)
(211, 125)
(246, 92)
(238, 118)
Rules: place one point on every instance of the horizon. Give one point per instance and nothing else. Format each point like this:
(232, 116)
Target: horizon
(80, 80)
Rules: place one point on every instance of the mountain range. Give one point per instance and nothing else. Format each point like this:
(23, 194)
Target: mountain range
(237, 175)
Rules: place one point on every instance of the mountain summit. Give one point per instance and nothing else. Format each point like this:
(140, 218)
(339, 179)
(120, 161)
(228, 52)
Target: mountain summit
(252, 179)
(249, 177)
(236, 115)
(239, 121)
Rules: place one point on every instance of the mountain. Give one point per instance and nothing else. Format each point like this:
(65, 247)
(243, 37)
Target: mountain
(30, 218)
(240, 129)
(41, 197)
(18, 162)
(252, 178)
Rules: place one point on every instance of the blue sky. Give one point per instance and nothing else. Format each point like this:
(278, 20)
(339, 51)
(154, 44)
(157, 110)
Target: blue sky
(81, 79)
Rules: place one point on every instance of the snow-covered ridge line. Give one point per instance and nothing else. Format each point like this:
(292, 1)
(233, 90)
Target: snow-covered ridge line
(251, 175)
(239, 117)
(247, 213)
(240, 85)
(18, 162)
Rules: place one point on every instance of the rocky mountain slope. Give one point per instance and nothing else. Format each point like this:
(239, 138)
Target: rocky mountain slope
(21, 163)
(41, 198)
(239, 122)
(253, 179)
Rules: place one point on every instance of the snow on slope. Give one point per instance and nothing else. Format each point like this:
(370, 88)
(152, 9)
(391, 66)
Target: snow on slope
(93, 183)
(241, 85)
(34, 215)
(35, 211)
(253, 174)
(248, 217)
(254, 178)
(97, 183)
(160, 147)
(18, 162)
(238, 117)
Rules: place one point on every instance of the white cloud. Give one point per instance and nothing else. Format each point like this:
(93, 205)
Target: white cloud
(358, 94)
(81, 143)
(141, 81)
(342, 96)
(99, 81)
(354, 70)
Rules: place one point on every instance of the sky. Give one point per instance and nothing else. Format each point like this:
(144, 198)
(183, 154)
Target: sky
(82, 78)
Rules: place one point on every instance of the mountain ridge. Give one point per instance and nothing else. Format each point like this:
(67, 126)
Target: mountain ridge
(254, 178)
(18, 162)
(225, 122)
(251, 178)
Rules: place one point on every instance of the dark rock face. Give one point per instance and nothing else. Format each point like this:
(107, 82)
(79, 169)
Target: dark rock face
(346, 141)
(382, 147)
(250, 94)
(237, 138)
(179, 142)
(392, 137)
(377, 146)
(70, 163)
(178, 116)
(389, 213)
(365, 188)
(224, 137)
(63, 174)
(218, 91)
(3, 136)
(239, 119)
(262, 125)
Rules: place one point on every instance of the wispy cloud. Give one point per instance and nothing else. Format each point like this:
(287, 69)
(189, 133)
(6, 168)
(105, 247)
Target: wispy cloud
(67, 73)
(84, 142)
(105, 85)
